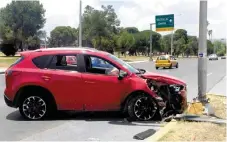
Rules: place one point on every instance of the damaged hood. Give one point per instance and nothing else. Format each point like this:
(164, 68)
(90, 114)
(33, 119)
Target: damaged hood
(163, 78)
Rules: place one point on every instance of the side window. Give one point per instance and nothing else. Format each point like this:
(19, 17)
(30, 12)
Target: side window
(64, 62)
(98, 65)
(42, 61)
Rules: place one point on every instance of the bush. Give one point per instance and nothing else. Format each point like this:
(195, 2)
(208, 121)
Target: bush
(8, 49)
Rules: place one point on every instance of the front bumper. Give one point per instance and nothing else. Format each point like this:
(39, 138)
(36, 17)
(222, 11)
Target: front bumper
(184, 103)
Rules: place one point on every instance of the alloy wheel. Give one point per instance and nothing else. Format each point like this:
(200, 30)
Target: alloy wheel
(34, 107)
(144, 108)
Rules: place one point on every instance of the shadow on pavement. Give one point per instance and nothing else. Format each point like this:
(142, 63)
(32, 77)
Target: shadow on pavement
(115, 118)
(64, 115)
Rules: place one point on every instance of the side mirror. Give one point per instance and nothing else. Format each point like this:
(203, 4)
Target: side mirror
(142, 70)
(122, 74)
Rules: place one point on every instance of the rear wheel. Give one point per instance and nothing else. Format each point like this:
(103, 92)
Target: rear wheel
(142, 107)
(156, 68)
(36, 107)
(177, 65)
(170, 66)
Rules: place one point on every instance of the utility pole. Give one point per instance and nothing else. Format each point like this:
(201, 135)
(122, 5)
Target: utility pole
(202, 59)
(151, 41)
(171, 52)
(80, 25)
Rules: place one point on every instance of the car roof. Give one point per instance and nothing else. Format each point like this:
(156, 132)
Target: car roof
(66, 50)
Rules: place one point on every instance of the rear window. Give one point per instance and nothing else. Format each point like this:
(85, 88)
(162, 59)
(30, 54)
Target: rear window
(42, 61)
(17, 61)
(163, 58)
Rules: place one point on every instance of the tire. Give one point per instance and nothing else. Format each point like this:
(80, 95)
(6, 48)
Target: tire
(40, 112)
(133, 105)
(156, 68)
(170, 66)
(177, 65)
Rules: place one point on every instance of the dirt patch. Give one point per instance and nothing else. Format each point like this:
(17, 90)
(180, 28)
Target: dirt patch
(201, 131)
(219, 105)
(195, 131)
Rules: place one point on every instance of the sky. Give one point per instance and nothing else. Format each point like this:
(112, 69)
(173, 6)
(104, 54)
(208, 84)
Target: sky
(140, 13)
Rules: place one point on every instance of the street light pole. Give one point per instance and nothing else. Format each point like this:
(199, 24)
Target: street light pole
(202, 60)
(151, 41)
(80, 25)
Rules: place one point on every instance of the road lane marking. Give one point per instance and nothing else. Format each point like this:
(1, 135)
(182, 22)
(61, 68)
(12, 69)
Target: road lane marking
(209, 74)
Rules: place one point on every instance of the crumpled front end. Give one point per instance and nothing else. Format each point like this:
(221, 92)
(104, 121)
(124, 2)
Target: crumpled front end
(172, 93)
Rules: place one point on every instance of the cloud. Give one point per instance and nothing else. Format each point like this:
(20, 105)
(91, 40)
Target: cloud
(139, 13)
(187, 9)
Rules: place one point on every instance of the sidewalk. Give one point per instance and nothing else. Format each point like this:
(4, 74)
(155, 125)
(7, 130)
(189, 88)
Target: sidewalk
(219, 88)
(2, 70)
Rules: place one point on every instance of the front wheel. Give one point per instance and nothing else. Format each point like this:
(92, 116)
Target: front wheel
(177, 65)
(156, 68)
(142, 108)
(34, 108)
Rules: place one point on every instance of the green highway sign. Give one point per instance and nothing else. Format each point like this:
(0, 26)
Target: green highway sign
(164, 22)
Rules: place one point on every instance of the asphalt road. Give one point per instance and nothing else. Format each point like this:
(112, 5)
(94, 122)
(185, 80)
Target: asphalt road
(106, 126)
(188, 71)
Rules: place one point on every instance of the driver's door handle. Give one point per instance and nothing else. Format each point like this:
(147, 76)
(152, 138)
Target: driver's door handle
(90, 82)
(46, 78)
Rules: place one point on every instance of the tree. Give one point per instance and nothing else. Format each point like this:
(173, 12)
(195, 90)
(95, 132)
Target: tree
(210, 47)
(166, 43)
(180, 39)
(192, 46)
(132, 30)
(21, 21)
(220, 48)
(63, 36)
(100, 27)
(125, 42)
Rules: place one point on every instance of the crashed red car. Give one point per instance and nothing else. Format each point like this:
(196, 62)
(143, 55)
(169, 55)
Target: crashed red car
(41, 82)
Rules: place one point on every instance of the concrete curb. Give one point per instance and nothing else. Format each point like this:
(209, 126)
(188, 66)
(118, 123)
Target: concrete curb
(158, 135)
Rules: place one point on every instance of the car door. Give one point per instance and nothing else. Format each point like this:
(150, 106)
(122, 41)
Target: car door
(65, 83)
(104, 90)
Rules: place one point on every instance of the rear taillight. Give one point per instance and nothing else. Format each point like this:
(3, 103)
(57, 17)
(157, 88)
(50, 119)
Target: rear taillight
(11, 73)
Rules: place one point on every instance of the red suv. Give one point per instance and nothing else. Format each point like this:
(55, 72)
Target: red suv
(41, 82)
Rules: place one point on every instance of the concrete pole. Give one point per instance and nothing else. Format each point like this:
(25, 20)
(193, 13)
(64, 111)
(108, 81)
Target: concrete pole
(171, 52)
(202, 60)
(151, 42)
(80, 25)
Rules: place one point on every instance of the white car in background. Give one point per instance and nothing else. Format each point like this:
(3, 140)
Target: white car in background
(213, 57)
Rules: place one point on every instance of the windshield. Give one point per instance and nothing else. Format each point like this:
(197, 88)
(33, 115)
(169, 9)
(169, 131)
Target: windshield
(126, 65)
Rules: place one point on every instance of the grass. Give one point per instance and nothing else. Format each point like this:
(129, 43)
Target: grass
(134, 58)
(219, 104)
(7, 61)
(201, 131)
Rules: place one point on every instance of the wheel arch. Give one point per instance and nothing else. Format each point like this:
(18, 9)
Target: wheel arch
(21, 93)
(131, 95)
